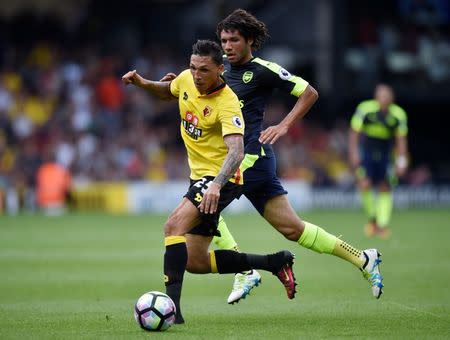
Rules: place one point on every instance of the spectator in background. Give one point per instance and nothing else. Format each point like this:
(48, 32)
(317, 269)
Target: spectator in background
(53, 184)
(376, 126)
(110, 97)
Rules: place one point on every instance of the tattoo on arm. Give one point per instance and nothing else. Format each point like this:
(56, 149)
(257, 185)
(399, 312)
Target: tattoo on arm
(235, 155)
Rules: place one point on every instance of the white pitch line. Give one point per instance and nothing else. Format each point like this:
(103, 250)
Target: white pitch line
(415, 309)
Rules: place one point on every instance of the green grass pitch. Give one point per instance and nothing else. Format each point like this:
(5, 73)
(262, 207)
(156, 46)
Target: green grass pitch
(78, 277)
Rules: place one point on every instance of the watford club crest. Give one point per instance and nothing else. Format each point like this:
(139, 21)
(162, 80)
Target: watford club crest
(207, 111)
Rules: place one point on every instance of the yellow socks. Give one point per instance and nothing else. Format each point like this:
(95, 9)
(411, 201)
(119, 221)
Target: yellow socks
(384, 209)
(317, 239)
(226, 240)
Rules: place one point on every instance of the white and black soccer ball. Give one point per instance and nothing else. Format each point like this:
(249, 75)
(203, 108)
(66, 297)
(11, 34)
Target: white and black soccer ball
(154, 311)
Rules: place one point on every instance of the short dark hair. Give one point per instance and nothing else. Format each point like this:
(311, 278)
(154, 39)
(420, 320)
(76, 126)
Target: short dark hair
(208, 48)
(247, 25)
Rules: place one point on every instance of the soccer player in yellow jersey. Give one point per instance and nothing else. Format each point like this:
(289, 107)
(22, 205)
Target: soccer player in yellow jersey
(212, 128)
(253, 80)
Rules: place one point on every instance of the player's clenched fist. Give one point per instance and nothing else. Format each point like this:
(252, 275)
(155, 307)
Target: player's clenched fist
(168, 77)
(132, 77)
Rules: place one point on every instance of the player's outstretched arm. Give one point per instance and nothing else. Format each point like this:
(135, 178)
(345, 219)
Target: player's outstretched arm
(235, 155)
(160, 89)
(300, 109)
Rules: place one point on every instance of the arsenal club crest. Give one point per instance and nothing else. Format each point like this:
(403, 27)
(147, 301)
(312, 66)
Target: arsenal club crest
(247, 76)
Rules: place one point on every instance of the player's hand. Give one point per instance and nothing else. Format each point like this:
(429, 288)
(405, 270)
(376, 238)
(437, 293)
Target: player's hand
(210, 199)
(132, 77)
(168, 77)
(401, 165)
(272, 133)
(400, 171)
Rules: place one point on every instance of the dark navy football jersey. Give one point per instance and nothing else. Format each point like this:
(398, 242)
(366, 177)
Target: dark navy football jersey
(253, 83)
(378, 130)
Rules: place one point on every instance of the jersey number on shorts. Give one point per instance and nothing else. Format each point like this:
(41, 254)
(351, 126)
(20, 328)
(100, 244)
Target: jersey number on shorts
(203, 185)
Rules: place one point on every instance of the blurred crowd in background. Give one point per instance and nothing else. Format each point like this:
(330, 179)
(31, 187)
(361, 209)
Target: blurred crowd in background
(407, 43)
(76, 107)
(61, 97)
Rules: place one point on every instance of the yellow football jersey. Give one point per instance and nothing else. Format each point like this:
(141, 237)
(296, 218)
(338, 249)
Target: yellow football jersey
(205, 120)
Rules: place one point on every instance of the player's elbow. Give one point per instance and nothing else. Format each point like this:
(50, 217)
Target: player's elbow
(313, 93)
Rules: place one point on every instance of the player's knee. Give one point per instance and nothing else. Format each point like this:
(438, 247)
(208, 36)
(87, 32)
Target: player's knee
(171, 226)
(168, 229)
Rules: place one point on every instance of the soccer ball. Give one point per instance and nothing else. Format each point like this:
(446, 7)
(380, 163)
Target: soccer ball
(154, 311)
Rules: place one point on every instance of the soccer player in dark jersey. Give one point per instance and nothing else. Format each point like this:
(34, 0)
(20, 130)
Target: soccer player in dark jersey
(212, 129)
(253, 80)
(378, 127)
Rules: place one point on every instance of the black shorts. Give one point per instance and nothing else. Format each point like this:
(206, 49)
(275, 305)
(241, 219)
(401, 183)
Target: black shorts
(261, 182)
(208, 225)
(376, 170)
